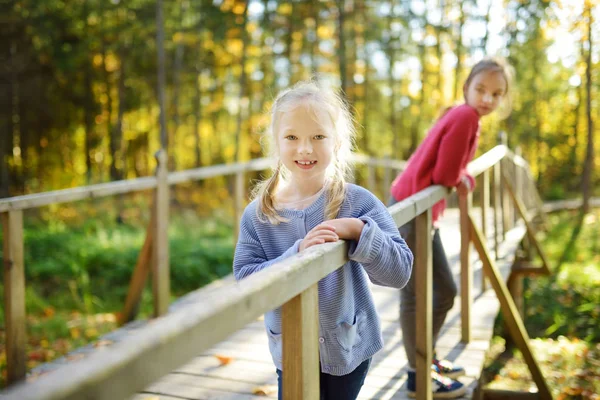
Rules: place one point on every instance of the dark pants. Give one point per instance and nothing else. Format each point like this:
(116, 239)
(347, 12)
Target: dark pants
(333, 387)
(444, 292)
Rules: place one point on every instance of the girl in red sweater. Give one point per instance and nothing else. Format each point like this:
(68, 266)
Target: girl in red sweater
(441, 159)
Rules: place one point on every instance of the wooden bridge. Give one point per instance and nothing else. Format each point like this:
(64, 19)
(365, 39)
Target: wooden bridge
(211, 344)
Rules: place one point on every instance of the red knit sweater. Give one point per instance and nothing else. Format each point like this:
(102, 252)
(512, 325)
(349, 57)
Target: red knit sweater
(442, 157)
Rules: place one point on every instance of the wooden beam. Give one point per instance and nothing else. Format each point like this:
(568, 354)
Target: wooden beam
(497, 207)
(160, 240)
(485, 205)
(14, 295)
(530, 230)
(238, 206)
(139, 276)
(466, 273)
(423, 274)
(300, 336)
(509, 311)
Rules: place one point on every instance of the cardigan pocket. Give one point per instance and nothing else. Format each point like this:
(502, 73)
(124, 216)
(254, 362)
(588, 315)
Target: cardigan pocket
(275, 346)
(347, 334)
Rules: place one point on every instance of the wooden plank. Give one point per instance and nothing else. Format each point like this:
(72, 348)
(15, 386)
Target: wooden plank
(466, 273)
(301, 346)
(423, 285)
(485, 205)
(160, 240)
(239, 196)
(510, 313)
(14, 295)
(371, 181)
(139, 277)
(497, 207)
(75, 194)
(530, 231)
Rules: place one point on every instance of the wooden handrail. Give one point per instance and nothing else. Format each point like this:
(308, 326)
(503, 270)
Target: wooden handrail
(146, 183)
(171, 340)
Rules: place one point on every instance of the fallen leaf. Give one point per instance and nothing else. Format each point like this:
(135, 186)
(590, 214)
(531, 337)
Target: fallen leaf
(103, 343)
(75, 357)
(265, 390)
(224, 360)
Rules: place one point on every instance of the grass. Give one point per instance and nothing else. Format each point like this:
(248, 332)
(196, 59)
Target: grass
(561, 314)
(78, 271)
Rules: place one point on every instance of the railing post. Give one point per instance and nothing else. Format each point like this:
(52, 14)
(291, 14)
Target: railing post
(506, 225)
(239, 193)
(518, 184)
(160, 244)
(371, 180)
(497, 206)
(423, 271)
(14, 295)
(387, 179)
(466, 274)
(485, 204)
(300, 331)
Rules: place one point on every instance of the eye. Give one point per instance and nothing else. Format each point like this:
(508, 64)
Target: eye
(290, 137)
(320, 137)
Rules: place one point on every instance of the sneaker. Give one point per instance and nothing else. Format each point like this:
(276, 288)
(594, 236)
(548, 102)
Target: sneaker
(447, 368)
(442, 386)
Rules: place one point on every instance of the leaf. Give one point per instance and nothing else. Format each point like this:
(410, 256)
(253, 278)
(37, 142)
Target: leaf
(264, 390)
(103, 343)
(224, 360)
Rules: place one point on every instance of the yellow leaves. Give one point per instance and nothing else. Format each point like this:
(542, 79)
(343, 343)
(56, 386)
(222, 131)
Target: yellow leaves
(285, 9)
(239, 8)
(324, 32)
(235, 47)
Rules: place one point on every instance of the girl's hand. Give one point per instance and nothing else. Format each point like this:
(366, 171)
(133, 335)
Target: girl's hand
(347, 228)
(462, 189)
(320, 234)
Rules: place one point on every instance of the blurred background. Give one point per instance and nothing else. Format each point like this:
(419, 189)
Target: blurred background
(79, 80)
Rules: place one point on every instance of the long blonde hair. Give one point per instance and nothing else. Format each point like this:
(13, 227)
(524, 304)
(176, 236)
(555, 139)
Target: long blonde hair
(314, 97)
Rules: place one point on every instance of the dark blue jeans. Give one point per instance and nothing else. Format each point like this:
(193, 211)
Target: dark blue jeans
(345, 387)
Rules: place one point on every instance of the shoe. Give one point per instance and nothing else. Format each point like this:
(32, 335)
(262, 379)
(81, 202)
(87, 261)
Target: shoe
(442, 386)
(447, 368)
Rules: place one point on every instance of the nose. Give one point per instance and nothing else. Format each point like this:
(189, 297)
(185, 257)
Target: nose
(487, 98)
(305, 147)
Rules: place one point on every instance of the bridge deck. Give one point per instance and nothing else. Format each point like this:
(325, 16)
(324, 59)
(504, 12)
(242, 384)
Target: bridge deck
(240, 367)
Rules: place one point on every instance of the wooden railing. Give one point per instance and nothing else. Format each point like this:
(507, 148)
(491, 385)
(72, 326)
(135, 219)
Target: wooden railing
(173, 339)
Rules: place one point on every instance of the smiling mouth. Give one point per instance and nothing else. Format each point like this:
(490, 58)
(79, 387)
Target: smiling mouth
(306, 162)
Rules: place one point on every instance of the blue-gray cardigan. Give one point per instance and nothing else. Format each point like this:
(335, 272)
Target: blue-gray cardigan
(349, 328)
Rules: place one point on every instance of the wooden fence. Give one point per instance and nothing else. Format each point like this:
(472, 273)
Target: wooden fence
(173, 339)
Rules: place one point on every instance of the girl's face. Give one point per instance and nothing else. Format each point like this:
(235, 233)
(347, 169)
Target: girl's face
(305, 145)
(485, 91)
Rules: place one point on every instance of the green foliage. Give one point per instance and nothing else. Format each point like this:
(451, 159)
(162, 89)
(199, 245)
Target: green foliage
(561, 313)
(93, 262)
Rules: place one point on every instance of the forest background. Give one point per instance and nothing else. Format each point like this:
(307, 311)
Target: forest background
(79, 88)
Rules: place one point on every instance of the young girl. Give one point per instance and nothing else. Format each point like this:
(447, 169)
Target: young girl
(307, 202)
(441, 159)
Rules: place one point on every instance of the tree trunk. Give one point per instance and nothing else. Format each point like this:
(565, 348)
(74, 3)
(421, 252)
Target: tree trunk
(459, 49)
(243, 98)
(88, 118)
(392, 85)
(586, 182)
(342, 45)
(177, 67)
(161, 78)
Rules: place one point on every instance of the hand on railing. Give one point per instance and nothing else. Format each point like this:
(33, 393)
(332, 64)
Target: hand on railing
(318, 235)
